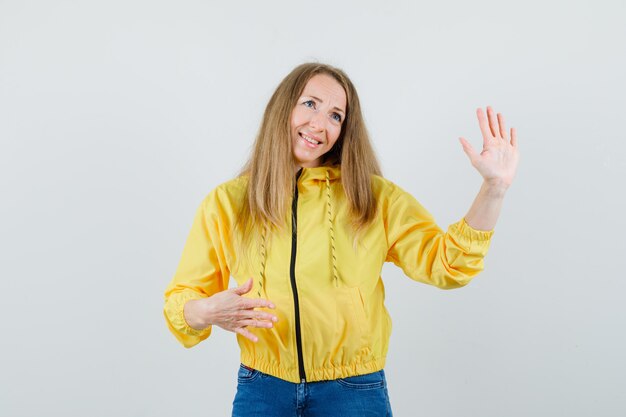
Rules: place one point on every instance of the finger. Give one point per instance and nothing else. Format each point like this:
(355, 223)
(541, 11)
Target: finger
(256, 323)
(249, 303)
(502, 127)
(493, 123)
(259, 315)
(244, 314)
(514, 137)
(244, 288)
(246, 333)
(468, 149)
(484, 126)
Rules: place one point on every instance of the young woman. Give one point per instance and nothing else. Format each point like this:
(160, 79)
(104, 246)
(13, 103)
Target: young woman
(304, 230)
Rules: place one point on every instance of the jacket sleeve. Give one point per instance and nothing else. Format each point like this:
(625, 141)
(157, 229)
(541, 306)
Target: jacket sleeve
(427, 254)
(202, 271)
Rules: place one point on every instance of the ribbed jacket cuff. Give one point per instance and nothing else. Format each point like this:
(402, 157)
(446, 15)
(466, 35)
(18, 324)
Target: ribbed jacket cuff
(472, 240)
(175, 312)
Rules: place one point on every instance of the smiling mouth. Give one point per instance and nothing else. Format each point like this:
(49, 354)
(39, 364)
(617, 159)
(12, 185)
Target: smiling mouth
(308, 139)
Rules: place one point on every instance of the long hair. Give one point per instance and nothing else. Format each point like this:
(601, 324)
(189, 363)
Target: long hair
(270, 167)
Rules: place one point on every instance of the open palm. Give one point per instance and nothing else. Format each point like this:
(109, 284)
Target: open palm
(497, 163)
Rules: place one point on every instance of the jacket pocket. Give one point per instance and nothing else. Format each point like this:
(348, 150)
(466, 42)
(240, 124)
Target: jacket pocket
(352, 326)
(359, 310)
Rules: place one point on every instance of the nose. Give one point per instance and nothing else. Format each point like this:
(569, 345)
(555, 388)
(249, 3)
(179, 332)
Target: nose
(317, 121)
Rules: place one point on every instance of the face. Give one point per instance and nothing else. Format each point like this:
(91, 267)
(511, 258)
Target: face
(316, 120)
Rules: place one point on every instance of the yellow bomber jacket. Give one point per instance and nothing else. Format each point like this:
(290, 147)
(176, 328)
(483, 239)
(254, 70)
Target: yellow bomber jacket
(329, 297)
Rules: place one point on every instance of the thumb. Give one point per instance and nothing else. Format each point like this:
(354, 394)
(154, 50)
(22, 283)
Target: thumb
(468, 149)
(244, 288)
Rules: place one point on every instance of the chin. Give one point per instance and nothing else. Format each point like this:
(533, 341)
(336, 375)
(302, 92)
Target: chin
(307, 160)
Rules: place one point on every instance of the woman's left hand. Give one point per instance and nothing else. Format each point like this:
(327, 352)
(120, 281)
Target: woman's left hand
(497, 163)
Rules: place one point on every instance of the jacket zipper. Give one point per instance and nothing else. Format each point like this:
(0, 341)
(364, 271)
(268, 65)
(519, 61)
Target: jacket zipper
(292, 270)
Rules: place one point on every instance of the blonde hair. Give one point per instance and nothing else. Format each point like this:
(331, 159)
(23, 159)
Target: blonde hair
(270, 167)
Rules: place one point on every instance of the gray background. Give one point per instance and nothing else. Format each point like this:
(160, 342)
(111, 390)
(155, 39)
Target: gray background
(118, 117)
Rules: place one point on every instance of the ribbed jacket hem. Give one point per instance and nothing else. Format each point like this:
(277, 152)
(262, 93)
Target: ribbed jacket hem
(291, 373)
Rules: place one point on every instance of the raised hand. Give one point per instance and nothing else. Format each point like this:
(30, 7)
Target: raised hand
(497, 163)
(230, 311)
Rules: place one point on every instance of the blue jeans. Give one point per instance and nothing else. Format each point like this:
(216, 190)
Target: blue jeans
(262, 395)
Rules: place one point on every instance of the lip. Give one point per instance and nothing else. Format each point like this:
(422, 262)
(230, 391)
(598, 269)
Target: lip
(311, 136)
(307, 143)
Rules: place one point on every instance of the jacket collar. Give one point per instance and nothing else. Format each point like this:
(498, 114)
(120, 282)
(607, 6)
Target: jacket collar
(313, 175)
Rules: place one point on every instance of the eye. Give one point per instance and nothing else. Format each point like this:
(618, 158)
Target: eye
(309, 103)
(336, 117)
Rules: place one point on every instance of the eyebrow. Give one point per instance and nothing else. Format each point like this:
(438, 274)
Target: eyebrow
(321, 101)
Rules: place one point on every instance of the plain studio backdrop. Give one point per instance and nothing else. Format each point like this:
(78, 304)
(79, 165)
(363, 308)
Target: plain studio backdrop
(118, 117)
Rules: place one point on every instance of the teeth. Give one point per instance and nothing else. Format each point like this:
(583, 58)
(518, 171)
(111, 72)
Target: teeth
(308, 139)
